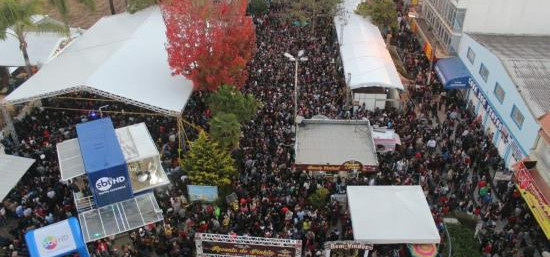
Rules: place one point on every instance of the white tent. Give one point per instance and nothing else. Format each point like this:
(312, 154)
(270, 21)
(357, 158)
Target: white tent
(366, 60)
(40, 46)
(12, 168)
(391, 215)
(121, 57)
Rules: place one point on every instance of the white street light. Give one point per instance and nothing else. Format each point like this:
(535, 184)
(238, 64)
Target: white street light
(100, 108)
(296, 61)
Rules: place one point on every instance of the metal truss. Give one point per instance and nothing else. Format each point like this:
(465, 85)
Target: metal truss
(262, 241)
(97, 92)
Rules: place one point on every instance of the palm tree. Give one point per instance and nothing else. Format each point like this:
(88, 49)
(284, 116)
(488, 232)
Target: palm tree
(16, 21)
(63, 8)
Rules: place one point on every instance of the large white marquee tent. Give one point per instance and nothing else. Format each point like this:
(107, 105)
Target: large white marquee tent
(391, 215)
(366, 60)
(122, 57)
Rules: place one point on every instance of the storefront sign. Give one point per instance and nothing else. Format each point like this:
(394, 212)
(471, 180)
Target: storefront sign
(227, 245)
(492, 114)
(535, 199)
(348, 245)
(352, 166)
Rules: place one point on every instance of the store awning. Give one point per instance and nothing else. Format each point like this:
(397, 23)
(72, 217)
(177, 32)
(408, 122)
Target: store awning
(536, 194)
(12, 168)
(452, 73)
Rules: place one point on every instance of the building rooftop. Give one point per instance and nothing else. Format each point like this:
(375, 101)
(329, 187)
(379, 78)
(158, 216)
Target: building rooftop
(334, 142)
(527, 60)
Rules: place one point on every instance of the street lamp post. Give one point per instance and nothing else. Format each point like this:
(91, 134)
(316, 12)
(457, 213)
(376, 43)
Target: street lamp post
(296, 60)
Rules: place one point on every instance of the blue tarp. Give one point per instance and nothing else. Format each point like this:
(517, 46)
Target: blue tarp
(104, 162)
(452, 73)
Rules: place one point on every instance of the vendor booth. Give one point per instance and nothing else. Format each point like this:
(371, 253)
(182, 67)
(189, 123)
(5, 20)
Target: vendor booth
(391, 215)
(371, 76)
(386, 140)
(120, 167)
(324, 145)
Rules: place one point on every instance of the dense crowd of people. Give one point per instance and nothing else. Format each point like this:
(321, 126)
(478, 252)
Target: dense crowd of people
(443, 149)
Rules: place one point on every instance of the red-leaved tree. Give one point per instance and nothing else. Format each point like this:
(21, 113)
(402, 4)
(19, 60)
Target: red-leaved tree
(209, 41)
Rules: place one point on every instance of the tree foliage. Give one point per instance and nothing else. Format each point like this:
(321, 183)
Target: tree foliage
(383, 13)
(16, 15)
(257, 7)
(207, 164)
(138, 5)
(319, 198)
(227, 99)
(209, 42)
(463, 242)
(62, 8)
(309, 10)
(226, 130)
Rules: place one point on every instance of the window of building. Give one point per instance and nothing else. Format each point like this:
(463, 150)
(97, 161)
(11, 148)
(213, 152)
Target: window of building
(499, 92)
(471, 55)
(484, 72)
(517, 116)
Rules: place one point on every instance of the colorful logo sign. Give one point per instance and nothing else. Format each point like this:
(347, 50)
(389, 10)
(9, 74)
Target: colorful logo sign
(49, 242)
(105, 183)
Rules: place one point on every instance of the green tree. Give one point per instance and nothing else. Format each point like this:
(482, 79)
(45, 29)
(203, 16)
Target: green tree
(228, 99)
(226, 130)
(207, 164)
(257, 7)
(138, 5)
(310, 10)
(16, 16)
(383, 13)
(319, 198)
(62, 8)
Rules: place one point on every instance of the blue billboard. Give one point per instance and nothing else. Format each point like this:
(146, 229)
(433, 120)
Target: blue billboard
(104, 162)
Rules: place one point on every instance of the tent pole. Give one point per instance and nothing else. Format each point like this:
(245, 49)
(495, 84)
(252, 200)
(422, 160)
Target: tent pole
(9, 124)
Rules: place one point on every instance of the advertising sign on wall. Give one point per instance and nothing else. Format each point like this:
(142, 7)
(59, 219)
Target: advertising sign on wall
(533, 196)
(226, 245)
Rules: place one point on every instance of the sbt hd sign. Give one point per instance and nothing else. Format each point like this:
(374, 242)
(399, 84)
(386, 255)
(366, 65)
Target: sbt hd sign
(108, 184)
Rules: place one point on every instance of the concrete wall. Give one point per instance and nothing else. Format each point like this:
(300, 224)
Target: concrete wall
(527, 134)
(508, 16)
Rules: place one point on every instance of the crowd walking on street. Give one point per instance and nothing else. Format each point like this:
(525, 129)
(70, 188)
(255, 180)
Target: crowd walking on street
(444, 150)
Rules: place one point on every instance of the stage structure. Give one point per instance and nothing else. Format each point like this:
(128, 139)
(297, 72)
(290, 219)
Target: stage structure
(120, 168)
(216, 245)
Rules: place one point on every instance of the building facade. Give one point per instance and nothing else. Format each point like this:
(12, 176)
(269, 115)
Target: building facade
(507, 88)
(442, 22)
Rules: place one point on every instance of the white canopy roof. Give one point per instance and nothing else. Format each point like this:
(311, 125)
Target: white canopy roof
(391, 215)
(12, 168)
(366, 60)
(121, 57)
(135, 141)
(40, 46)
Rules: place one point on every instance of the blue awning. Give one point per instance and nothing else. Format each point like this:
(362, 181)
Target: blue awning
(452, 73)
